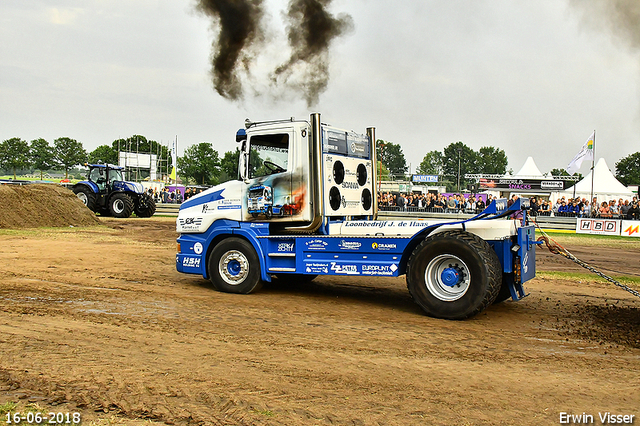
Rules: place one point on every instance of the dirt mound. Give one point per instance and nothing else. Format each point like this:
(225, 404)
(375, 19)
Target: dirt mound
(42, 205)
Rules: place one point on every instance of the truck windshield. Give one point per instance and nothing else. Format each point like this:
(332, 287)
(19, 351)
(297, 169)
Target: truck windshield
(269, 154)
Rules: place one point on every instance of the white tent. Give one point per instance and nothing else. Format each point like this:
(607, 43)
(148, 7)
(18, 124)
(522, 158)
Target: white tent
(530, 170)
(605, 186)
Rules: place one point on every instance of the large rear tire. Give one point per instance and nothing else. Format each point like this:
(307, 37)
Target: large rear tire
(121, 205)
(87, 196)
(146, 206)
(234, 267)
(454, 275)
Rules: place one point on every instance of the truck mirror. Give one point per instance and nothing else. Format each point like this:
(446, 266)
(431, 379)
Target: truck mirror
(241, 135)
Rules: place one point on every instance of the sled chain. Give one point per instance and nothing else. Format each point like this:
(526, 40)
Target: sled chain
(556, 249)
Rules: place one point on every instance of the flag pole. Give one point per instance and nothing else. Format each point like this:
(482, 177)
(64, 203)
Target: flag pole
(593, 169)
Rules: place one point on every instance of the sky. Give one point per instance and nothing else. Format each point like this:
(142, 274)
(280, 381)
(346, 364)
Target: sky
(531, 78)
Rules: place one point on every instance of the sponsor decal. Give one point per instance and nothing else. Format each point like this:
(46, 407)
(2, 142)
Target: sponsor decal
(317, 268)
(197, 221)
(383, 246)
(525, 262)
(316, 245)
(191, 262)
(350, 185)
(349, 245)
(190, 223)
(379, 269)
(386, 224)
(287, 247)
(344, 269)
(197, 248)
(222, 204)
(358, 148)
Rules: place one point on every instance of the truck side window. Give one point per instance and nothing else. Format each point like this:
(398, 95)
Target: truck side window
(269, 154)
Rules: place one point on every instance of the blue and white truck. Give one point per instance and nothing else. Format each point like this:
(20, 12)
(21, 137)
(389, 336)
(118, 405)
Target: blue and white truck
(454, 268)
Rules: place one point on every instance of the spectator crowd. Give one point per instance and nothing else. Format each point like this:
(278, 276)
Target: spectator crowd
(429, 202)
(458, 203)
(175, 196)
(581, 207)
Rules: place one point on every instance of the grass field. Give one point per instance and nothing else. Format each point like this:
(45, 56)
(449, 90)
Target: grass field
(587, 240)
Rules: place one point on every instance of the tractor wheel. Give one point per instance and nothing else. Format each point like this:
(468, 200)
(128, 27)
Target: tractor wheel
(86, 196)
(120, 205)
(269, 212)
(234, 267)
(145, 207)
(454, 275)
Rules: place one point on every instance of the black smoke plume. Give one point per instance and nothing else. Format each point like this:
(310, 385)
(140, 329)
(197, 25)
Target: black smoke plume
(240, 33)
(622, 17)
(311, 30)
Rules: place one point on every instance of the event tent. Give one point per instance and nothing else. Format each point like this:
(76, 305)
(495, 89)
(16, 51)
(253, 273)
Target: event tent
(605, 186)
(530, 170)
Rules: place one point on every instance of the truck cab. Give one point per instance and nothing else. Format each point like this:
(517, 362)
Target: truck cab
(305, 205)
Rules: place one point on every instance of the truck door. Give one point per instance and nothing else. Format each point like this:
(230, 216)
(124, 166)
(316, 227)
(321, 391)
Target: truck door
(269, 184)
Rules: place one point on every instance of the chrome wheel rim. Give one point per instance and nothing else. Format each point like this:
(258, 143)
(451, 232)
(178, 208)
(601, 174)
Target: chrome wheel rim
(447, 277)
(233, 267)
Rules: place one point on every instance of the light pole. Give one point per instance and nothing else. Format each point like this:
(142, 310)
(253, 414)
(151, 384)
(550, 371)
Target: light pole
(459, 152)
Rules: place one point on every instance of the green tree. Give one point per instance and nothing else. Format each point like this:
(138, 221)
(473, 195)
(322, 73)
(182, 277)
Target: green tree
(559, 172)
(69, 153)
(200, 162)
(42, 156)
(391, 155)
(431, 163)
(492, 160)
(14, 155)
(459, 160)
(628, 169)
(383, 172)
(229, 165)
(104, 154)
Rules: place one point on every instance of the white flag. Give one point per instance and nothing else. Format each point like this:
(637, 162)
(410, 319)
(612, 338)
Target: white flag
(586, 153)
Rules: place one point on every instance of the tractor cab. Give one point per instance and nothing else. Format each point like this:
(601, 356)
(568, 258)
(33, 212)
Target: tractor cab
(104, 175)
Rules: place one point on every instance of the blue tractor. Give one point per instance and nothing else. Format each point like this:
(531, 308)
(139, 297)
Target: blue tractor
(107, 193)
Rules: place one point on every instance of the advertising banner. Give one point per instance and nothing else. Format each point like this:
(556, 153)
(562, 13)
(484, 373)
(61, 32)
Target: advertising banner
(522, 184)
(630, 228)
(425, 178)
(598, 226)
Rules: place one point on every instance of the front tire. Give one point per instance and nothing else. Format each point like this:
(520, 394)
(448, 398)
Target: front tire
(454, 275)
(121, 205)
(87, 197)
(145, 207)
(234, 267)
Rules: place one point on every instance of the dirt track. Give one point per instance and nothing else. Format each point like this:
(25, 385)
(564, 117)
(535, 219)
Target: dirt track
(97, 320)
